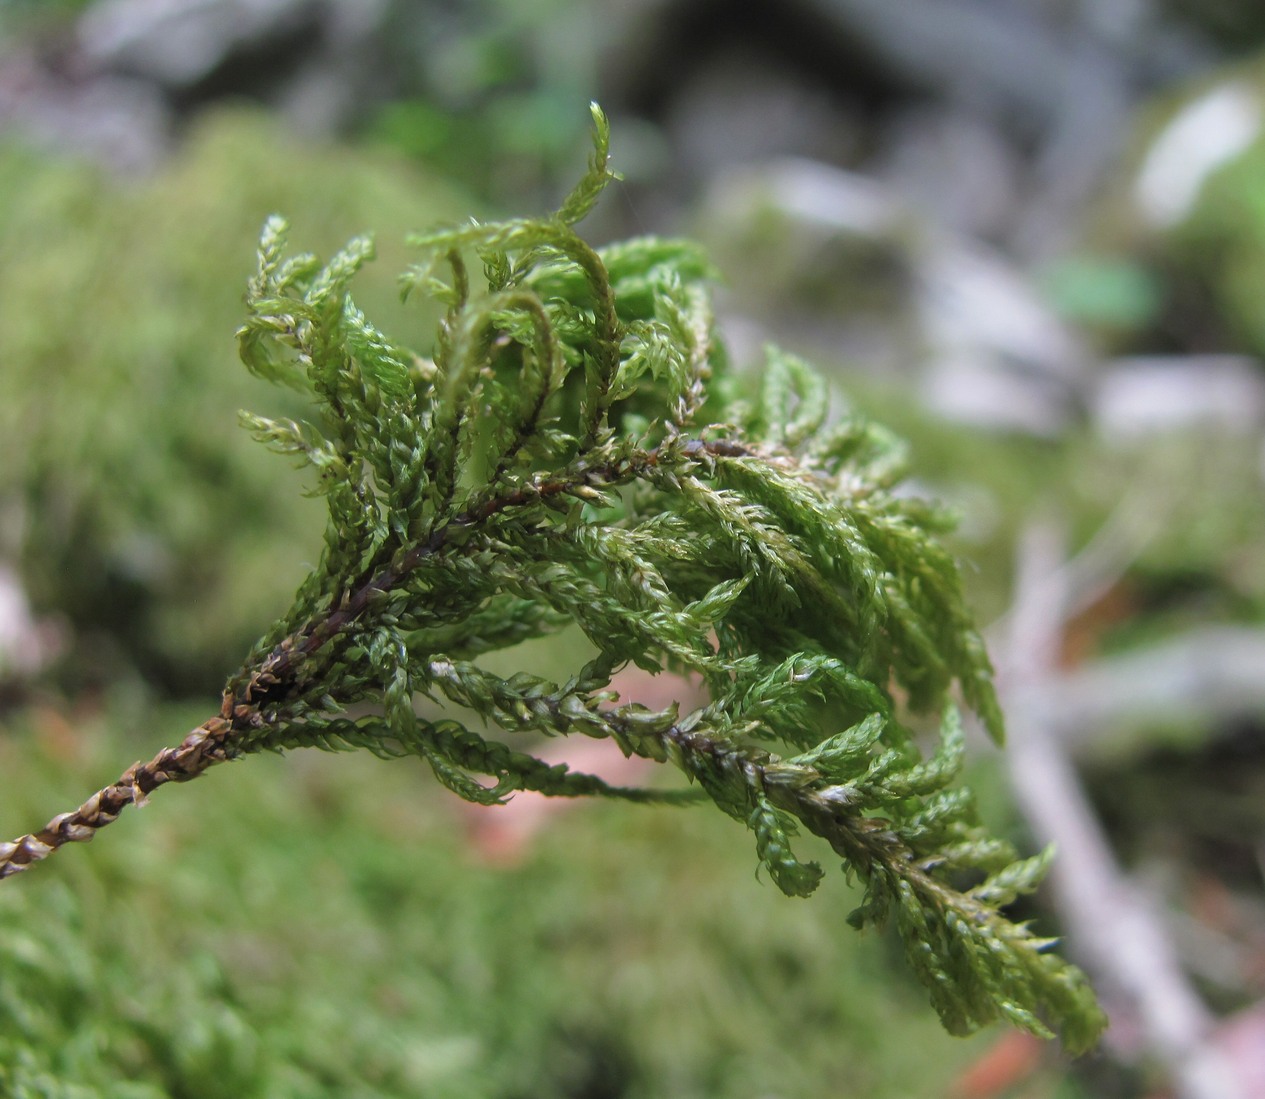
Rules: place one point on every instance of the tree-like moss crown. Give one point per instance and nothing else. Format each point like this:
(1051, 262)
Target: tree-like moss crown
(573, 451)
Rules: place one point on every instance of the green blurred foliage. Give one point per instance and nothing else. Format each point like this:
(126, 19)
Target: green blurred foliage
(1205, 560)
(336, 936)
(1101, 294)
(139, 509)
(1218, 251)
(488, 92)
(1186, 508)
(1194, 285)
(38, 16)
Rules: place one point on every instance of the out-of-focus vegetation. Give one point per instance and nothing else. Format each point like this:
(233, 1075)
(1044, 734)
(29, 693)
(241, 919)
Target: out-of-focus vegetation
(334, 934)
(492, 95)
(140, 510)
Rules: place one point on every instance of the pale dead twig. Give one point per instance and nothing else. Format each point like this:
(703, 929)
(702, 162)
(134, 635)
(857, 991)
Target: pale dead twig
(1208, 675)
(1120, 936)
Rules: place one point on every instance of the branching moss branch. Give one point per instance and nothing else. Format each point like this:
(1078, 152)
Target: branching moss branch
(564, 455)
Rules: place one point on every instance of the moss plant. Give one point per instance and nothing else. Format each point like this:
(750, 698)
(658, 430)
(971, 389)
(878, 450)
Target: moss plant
(574, 451)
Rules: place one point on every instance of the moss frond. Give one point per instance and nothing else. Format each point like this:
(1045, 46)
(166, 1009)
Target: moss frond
(567, 452)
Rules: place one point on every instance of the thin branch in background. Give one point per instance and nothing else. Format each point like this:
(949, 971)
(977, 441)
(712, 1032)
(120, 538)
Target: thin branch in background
(1080, 581)
(1117, 931)
(1206, 674)
(1210, 676)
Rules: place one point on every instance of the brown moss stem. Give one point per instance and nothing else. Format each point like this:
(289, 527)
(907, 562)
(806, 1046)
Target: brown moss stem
(275, 677)
(205, 746)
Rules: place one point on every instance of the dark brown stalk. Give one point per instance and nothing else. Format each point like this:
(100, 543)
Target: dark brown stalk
(202, 748)
(276, 677)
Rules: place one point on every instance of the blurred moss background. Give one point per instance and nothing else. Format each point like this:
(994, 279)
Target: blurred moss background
(138, 508)
(340, 930)
(335, 934)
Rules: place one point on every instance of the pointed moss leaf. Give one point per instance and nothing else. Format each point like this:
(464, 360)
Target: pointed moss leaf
(934, 774)
(847, 754)
(331, 280)
(773, 830)
(794, 401)
(1020, 877)
(381, 363)
(288, 437)
(582, 199)
(272, 243)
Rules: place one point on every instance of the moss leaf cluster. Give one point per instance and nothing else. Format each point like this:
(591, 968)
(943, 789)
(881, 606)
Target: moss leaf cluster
(573, 450)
